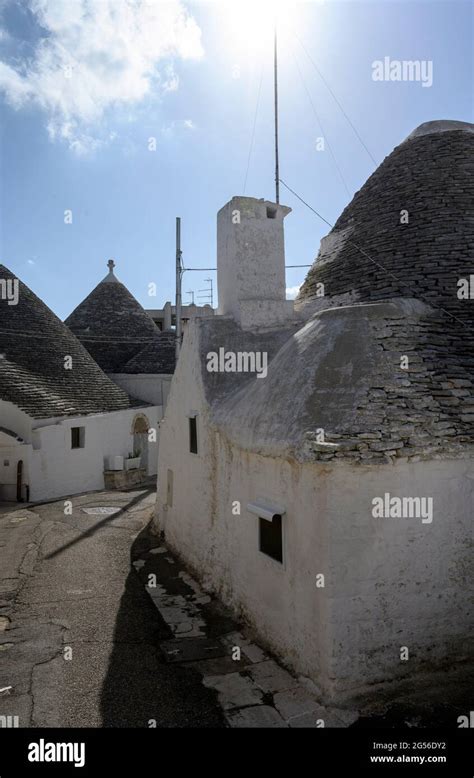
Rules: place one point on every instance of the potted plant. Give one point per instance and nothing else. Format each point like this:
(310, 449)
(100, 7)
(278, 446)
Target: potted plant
(132, 462)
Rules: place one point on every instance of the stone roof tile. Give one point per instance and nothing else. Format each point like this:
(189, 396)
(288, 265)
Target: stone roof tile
(33, 346)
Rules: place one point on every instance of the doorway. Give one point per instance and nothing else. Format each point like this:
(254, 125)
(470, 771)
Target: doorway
(19, 481)
(140, 438)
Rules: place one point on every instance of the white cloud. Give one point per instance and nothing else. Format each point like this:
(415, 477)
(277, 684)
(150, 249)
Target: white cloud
(94, 56)
(292, 291)
(170, 129)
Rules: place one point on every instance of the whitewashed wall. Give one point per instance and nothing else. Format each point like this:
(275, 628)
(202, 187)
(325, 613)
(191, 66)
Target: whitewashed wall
(253, 293)
(152, 388)
(388, 582)
(56, 470)
(14, 419)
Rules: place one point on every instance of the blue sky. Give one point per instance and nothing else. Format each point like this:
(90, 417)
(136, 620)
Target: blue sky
(85, 85)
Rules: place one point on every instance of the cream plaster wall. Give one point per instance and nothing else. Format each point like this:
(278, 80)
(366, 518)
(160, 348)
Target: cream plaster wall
(389, 582)
(53, 468)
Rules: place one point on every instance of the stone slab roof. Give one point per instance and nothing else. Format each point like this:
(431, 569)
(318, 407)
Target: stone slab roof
(112, 325)
(374, 253)
(384, 366)
(33, 346)
(159, 356)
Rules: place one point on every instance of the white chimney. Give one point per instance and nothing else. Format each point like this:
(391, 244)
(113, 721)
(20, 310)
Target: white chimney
(251, 262)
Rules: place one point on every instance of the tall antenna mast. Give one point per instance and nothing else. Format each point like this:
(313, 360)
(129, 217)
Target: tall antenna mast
(179, 276)
(275, 73)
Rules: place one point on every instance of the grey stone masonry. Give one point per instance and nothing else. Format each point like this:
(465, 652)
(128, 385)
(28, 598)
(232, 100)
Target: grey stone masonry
(425, 408)
(34, 344)
(409, 232)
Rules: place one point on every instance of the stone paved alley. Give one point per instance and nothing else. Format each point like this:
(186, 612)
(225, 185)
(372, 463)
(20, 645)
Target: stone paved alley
(67, 581)
(88, 639)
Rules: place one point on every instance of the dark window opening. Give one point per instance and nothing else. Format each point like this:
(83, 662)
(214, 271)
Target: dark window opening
(271, 537)
(271, 213)
(77, 437)
(193, 442)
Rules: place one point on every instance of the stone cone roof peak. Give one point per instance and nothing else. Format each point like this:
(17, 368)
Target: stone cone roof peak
(409, 231)
(110, 277)
(33, 376)
(112, 324)
(440, 125)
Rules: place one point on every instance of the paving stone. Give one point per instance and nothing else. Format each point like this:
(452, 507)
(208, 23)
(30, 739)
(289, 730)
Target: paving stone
(192, 628)
(271, 677)
(254, 652)
(191, 649)
(176, 615)
(256, 716)
(221, 665)
(182, 627)
(347, 717)
(234, 690)
(295, 702)
(251, 650)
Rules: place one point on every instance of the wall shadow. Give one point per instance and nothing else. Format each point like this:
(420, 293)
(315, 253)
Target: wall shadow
(140, 686)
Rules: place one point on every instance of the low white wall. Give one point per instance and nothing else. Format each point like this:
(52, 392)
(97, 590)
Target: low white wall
(389, 582)
(152, 388)
(12, 418)
(53, 469)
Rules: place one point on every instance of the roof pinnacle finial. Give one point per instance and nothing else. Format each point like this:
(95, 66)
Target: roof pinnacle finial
(111, 265)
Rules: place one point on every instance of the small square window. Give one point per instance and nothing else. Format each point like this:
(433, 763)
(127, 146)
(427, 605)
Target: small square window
(271, 213)
(193, 443)
(271, 537)
(78, 435)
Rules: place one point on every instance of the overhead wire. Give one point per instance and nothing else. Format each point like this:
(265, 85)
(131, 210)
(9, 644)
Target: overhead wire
(318, 119)
(338, 103)
(364, 253)
(253, 128)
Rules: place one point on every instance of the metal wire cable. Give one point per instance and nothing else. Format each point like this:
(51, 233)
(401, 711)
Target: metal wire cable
(253, 128)
(338, 103)
(321, 125)
(365, 254)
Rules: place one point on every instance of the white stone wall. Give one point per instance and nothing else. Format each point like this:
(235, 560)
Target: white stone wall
(251, 262)
(152, 388)
(389, 582)
(14, 419)
(55, 469)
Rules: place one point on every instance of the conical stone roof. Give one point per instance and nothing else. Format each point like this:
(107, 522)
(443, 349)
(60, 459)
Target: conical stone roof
(159, 356)
(34, 346)
(112, 324)
(409, 232)
(384, 366)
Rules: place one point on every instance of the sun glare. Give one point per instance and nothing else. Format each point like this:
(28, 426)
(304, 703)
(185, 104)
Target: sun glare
(251, 23)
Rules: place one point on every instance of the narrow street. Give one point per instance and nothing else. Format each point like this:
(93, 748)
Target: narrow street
(101, 626)
(79, 634)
